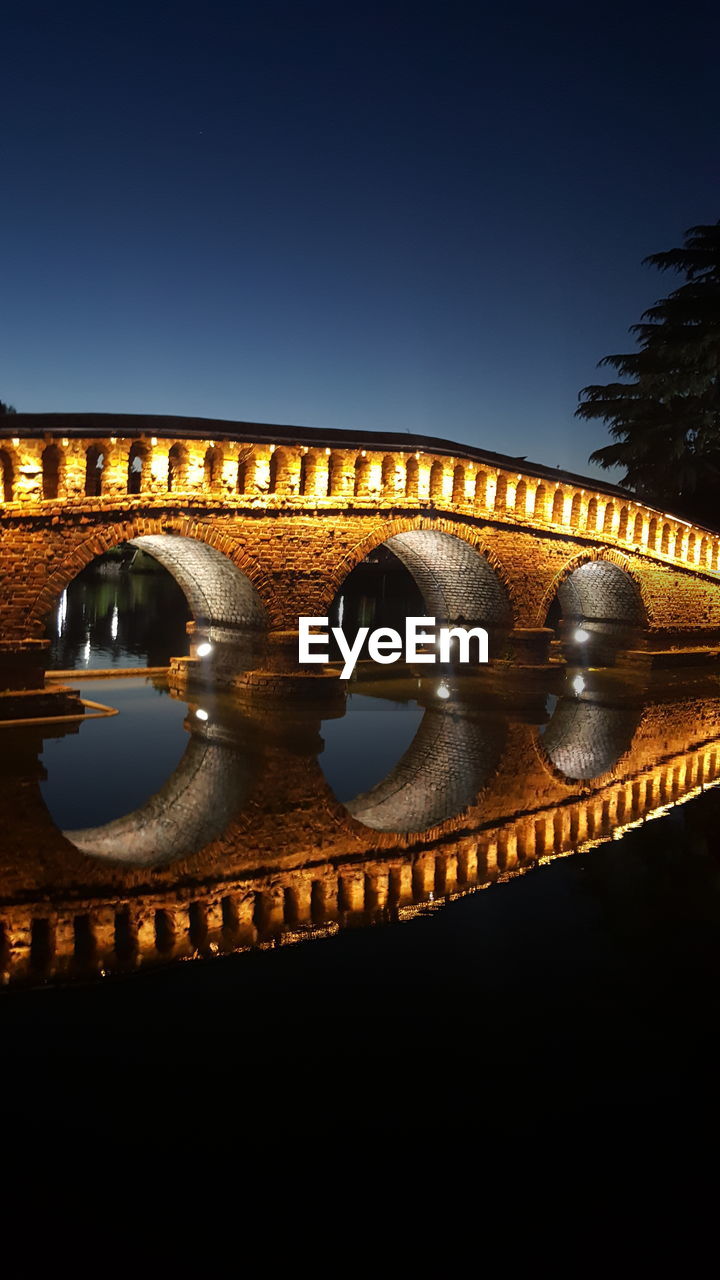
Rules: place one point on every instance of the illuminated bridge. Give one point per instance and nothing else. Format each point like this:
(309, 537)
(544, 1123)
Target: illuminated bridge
(261, 524)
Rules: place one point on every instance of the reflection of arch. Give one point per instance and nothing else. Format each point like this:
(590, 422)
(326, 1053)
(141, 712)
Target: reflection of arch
(203, 795)
(583, 739)
(448, 762)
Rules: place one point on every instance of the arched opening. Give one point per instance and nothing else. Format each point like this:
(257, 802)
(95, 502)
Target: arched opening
(7, 475)
(665, 539)
(137, 468)
(540, 506)
(213, 466)
(412, 478)
(481, 481)
(592, 516)
(690, 554)
(422, 573)
(308, 473)
(521, 498)
(623, 523)
(361, 485)
(281, 476)
(638, 530)
(458, 489)
(597, 612)
(501, 493)
(437, 480)
(558, 506)
(94, 464)
(388, 475)
(177, 468)
(245, 474)
(51, 466)
(336, 475)
(608, 517)
(575, 510)
(131, 606)
(652, 534)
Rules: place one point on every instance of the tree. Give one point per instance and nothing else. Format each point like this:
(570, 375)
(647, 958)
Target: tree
(666, 419)
(6, 408)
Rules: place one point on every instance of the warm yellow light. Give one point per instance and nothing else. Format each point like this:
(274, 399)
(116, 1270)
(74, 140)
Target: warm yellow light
(153, 441)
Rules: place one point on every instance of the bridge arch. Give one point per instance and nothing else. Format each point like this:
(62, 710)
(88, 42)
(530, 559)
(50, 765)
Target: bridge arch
(459, 580)
(598, 586)
(222, 584)
(584, 740)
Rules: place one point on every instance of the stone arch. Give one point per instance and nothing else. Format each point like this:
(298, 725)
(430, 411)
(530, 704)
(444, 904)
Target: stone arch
(7, 475)
(388, 474)
(412, 478)
(690, 549)
(521, 498)
(481, 482)
(177, 468)
(281, 471)
(652, 534)
(458, 579)
(501, 492)
(53, 468)
(451, 758)
(598, 587)
(222, 584)
(246, 474)
(592, 516)
(458, 489)
(665, 539)
(638, 529)
(138, 467)
(336, 474)
(540, 504)
(309, 472)
(212, 466)
(437, 479)
(575, 510)
(705, 553)
(363, 465)
(558, 506)
(623, 523)
(608, 517)
(94, 466)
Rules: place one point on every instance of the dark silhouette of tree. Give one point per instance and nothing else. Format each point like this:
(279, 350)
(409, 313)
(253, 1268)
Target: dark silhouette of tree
(665, 419)
(6, 408)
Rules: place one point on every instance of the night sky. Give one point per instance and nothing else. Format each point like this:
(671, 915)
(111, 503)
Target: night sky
(424, 217)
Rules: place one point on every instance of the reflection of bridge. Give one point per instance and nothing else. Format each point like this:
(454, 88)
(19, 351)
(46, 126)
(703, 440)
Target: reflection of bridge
(263, 524)
(293, 863)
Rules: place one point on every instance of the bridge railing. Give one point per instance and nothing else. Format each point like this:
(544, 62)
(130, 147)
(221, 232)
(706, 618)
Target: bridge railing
(37, 476)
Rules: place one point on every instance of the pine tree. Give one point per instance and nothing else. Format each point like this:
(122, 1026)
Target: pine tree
(665, 419)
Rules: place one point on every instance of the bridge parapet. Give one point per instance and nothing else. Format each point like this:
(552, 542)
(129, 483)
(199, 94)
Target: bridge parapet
(47, 475)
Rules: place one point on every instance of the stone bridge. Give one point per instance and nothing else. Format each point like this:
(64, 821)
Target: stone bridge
(276, 858)
(262, 524)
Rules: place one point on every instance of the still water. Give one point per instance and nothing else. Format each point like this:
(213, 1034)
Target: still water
(204, 825)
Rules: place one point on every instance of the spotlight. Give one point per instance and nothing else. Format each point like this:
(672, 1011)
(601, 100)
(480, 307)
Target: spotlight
(581, 635)
(201, 715)
(204, 649)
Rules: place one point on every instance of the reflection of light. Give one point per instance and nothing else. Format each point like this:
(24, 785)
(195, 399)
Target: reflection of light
(114, 623)
(341, 610)
(203, 649)
(62, 613)
(86, 653)
(201, 715)
(442, 690)
(581, 635)
(578, 684)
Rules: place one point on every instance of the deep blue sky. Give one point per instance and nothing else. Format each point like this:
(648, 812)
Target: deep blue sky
(424, 216)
